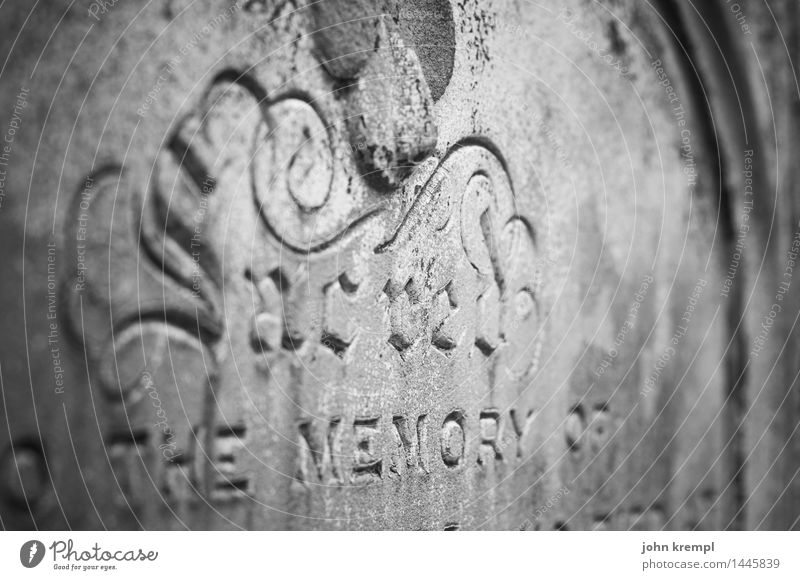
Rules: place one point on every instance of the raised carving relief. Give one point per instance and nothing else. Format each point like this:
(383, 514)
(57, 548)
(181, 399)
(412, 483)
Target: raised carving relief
(371, 275)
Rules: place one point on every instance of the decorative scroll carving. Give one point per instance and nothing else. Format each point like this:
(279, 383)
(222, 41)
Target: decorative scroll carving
(368, 270)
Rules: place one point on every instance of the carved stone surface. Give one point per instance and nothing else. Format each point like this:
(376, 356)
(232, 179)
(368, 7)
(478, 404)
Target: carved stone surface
(358, 265)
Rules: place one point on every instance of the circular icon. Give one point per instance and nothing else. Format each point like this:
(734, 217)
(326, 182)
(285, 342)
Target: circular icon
(31, 553)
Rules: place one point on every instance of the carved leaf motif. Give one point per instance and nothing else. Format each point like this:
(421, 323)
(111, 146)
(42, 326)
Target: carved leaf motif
(145, 301)
(175, 222)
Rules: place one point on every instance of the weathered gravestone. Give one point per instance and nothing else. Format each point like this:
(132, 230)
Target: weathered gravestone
(356, 265)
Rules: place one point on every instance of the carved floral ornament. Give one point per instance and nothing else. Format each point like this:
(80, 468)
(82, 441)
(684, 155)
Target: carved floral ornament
(363, 244)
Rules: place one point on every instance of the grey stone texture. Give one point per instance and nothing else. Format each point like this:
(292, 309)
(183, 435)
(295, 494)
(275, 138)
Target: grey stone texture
(424, 265)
